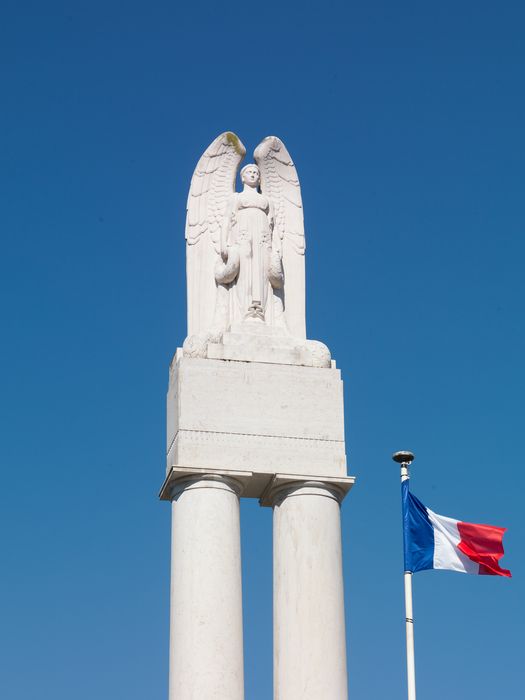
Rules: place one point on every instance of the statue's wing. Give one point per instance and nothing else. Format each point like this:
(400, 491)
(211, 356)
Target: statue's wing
(280, 183)
(213, 182)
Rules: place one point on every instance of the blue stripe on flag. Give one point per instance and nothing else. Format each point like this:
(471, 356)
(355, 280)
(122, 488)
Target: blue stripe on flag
(418, 533)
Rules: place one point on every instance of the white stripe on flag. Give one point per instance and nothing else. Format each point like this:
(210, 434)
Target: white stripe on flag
(446, 540)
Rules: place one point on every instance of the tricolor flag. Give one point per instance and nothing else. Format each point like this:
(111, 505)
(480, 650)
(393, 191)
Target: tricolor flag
(433, 541)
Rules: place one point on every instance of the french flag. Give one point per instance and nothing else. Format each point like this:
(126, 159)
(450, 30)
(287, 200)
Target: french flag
(433, 541)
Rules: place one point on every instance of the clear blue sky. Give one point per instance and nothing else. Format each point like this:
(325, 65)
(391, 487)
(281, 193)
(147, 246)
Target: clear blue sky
(406, 122)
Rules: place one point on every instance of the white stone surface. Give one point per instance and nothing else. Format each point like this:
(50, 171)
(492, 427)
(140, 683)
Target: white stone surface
(254, 409)
(309, 619)
(252, 343)
(206, 641)
(254, 416)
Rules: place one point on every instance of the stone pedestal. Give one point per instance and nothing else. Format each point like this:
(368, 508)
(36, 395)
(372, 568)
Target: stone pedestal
(258, 416)
(206, 645)
(309, 619)
(256, 421)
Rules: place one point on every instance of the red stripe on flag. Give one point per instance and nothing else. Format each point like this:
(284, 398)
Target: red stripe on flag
(484, 545)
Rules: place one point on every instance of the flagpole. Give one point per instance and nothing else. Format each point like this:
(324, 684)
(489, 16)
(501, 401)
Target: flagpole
(404, 459)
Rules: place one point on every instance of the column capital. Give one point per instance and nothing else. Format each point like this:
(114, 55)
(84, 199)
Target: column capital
(288, 485)
(179, 479)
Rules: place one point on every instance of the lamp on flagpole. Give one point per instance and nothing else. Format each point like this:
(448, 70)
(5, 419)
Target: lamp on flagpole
(404, 459)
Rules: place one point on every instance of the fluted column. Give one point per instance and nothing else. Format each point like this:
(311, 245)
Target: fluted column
(206, 644)
(309, 620)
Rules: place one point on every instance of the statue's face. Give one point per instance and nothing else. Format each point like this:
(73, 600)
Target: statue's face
(250, 176)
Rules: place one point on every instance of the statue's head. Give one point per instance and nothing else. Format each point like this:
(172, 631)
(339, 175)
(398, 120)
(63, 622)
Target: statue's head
(250, 175)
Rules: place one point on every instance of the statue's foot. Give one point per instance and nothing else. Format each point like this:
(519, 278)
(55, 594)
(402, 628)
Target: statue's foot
(255, 311)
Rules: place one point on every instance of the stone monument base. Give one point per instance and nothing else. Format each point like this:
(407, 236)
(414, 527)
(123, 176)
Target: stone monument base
(257, 417)
(254, 341)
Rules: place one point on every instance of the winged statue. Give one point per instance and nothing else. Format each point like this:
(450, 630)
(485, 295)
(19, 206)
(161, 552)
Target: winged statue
(244, 250)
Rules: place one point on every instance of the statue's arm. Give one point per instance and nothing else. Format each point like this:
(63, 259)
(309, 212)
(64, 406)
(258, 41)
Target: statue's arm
(229, 216)
(227, 267)
(275, 271)
(276, 238)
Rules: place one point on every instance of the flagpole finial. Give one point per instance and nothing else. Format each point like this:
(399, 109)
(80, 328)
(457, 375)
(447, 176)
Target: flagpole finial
(403, 457)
